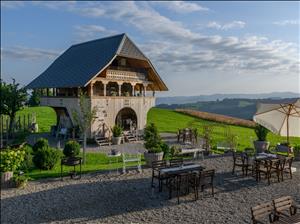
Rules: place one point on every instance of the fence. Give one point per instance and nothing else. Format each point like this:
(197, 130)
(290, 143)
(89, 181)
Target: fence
(22, 123)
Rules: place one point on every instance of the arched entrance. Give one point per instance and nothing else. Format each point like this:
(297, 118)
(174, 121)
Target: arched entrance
(127, 119)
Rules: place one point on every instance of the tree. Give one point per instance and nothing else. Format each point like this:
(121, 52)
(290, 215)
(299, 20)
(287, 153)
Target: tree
(34, 99)
(84, 118)
(13, 99)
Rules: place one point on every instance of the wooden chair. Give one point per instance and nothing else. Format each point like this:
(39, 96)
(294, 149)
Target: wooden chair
(176, 162)
(182, 183)
(156, 167)
(206, 179)
(284, 206)
(267, 167)
(259, 212)
(286, 167)
(239, 161)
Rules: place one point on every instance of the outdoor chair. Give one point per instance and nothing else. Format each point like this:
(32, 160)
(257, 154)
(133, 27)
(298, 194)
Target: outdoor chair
(261, 211)
(267, 167)
(285, 206)
(286, 166)
(176, 162)
(182, 183)
(156, 167)
(129, 158)
(206, 179)
(239, 160)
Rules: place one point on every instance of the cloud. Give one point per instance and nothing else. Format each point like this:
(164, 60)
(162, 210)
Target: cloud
(226, 26)
(12, 4)
(287, 22)
(87, 32)
(182, 6)
(25, 53)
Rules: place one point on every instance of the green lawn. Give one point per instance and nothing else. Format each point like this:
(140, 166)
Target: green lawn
(166, 121)
(95, 162)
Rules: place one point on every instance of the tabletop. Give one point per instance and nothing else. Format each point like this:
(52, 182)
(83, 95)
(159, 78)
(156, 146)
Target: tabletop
(181, 169)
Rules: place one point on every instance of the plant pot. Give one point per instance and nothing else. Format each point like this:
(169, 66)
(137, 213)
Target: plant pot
(261, 146)
(6, 178)
(152, 157)
(116, 140)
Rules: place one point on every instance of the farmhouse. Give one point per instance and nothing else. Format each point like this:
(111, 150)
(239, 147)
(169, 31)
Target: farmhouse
(118, 78)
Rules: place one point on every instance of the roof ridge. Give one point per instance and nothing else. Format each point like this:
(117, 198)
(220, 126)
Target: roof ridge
(108, 37)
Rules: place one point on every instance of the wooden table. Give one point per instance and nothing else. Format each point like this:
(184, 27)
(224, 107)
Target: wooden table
(295, 219)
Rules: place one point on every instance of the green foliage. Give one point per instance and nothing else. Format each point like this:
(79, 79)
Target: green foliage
(13, 99)
(45, 158)
(27, 163)
(297, 148)
(20, 180)
(166, 149)
(152, 139)
(34, 99)
(71, 149)
(261, 132)
(41, 143)
(11, 159)
(117, 131)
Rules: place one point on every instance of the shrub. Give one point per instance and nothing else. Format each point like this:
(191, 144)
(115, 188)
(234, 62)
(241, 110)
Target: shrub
(261, 132)
(45, 158)
(71, 149)
(41, 143)
(27, 163)
(11, 159)
(152, 139)
(21, 180)
(166, 149)
(117, 131)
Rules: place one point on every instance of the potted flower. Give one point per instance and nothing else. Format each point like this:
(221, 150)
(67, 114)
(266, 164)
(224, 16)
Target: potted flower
(261, 144)
(153, 144)
(117, 135)
(10, 161)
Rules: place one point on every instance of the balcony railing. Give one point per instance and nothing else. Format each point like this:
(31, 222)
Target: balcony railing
(123, 73)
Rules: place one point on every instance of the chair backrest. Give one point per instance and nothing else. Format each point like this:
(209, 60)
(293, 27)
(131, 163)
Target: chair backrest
(207, 176)
(261, 211)
(283, 204)
(176, 162)
(131, 157)
(159, 164)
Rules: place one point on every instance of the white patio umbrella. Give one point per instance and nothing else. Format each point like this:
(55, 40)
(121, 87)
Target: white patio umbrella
(282, 118)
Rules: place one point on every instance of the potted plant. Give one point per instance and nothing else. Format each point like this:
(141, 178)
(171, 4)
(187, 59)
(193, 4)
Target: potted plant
(117, 135)
(10, 161)
(261, 144)
(297, 152)
(71, 151)
(153, 144)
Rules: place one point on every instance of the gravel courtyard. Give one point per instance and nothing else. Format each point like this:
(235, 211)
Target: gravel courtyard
(128, 198)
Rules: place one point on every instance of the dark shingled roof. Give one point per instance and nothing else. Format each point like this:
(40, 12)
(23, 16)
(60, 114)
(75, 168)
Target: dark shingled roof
(78, 65)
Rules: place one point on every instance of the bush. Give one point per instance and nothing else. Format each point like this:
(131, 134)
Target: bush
(261, 132)
(71, 149)
(45, 158)
(41, 143)
(117, 131)
(27, 163)
(152, 139)
(11, 159)
(166, 149)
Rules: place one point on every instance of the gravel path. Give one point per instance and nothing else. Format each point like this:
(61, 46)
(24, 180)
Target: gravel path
(128, 198)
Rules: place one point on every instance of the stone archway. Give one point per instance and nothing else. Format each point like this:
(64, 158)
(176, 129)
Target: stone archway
(127, 119)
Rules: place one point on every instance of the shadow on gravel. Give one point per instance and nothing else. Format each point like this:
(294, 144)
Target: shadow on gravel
(86, 202)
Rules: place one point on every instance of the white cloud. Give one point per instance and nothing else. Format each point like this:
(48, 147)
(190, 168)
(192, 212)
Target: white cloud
(226, 26)
(182, 6)
(287, 22)
(12, 4)
(88, 32)
(25, 53)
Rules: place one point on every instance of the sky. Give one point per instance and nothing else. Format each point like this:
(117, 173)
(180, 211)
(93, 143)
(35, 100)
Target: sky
(203, 47)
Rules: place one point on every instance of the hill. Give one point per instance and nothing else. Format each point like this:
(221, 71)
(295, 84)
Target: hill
(215, 97)
(240, 108)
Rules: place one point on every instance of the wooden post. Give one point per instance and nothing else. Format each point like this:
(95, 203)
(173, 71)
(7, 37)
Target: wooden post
(19, 122)
(24, 122)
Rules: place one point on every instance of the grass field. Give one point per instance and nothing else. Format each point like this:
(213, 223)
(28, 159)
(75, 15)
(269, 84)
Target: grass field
(166, 121)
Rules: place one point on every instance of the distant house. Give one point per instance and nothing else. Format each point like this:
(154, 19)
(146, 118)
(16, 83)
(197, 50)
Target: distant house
(119, 79)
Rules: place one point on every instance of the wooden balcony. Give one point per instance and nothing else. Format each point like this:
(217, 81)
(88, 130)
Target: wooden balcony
(125, 75)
